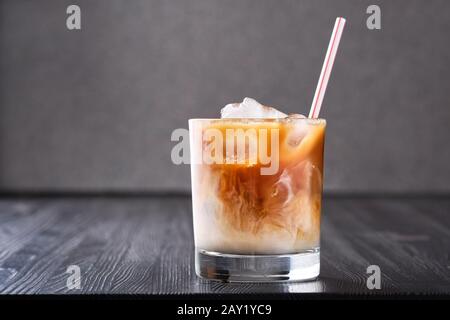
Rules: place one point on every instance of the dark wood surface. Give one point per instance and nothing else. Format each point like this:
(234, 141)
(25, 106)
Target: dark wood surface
(144, 245)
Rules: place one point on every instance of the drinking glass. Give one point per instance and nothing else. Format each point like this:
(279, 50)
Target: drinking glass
(256, 198)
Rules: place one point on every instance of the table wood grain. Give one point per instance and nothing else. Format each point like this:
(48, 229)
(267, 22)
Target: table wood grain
(144, 245)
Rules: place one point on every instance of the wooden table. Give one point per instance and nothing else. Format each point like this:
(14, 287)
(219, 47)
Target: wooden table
(144, 245)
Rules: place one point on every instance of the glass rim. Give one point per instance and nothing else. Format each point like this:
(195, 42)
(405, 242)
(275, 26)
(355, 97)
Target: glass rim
(314, 120)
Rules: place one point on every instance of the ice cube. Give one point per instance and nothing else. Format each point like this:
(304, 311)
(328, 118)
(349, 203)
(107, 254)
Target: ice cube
(296, 116)
(298, 131)
(296, 135)
(250, 108)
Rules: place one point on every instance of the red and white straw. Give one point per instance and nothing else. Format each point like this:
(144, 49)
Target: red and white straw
(326, 68)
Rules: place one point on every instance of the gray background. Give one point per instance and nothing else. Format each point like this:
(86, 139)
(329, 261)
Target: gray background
(93, 110)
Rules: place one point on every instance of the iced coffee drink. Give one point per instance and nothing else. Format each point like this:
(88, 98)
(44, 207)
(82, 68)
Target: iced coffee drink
(256, 192)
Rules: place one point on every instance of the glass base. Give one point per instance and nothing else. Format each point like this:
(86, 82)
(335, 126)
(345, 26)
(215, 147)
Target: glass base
(257, 268)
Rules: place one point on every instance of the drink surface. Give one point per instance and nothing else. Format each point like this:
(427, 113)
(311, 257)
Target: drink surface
(257, 184)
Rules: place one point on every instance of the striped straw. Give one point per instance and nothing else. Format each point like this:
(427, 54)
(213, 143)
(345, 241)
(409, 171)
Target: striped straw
(326, 68)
